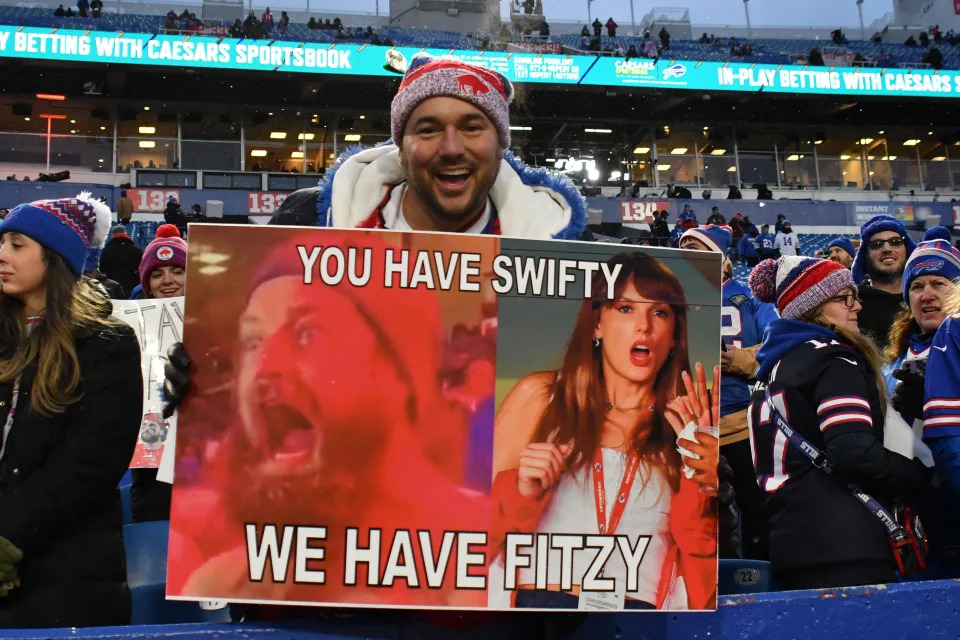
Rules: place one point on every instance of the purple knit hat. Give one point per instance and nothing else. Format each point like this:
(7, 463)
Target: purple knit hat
(167, 249)
(429, 77)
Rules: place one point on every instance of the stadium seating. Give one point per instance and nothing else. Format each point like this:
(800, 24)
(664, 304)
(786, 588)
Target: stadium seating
(127, 505)
(43, 17)
(146, 545)
(769, 51)
(738, 576)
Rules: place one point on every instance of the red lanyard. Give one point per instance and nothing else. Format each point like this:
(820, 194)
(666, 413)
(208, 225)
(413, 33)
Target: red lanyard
(600, 493)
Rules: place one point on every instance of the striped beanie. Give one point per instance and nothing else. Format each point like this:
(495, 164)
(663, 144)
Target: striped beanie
(68, 226)
(167, 249)
(428, 77)
(716, 237)
(934, 256)
(798, 284)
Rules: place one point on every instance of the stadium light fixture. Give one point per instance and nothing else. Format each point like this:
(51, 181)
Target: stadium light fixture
(146, 108)
(278, 135)
(678, 151)
(663, 167)
(938, 159)
(26, 119)
(103, 128)
(598, 130)
(352, 137)
(912, 142)
(296, 155)
(866, 140)
(641, 150)
(929, 133)
(718, 152)
(51, 96)
(731, 168)
(844, 157)
(818, 142)
(593, 175)
(306, 136)
(73, 131)
(73, 122)
(889, 158)
(362, 117)
(793, 158)
(258, 153)
(145, 130)
(147, 144)
(881, 132)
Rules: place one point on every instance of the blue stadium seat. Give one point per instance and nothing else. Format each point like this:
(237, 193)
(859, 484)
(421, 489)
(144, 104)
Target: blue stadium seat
(146, 545)
(738, 577)
(126, 479)
(127, 505)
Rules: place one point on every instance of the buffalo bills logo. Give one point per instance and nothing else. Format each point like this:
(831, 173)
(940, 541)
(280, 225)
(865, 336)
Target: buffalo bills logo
(676, 71)
(927, 265)
(164, 253)
(471, 85)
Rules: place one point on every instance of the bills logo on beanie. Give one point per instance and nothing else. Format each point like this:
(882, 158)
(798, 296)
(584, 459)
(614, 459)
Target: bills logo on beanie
(429, 77)
(798, 284)
(934, 256)
(167, 249)
(67, 226)
(716, 237)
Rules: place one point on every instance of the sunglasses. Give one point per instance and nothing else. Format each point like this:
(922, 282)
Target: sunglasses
(849, 300)
(876, 245)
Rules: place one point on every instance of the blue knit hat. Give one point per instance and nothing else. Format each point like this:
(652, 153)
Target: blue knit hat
(843, 243)
(934, 256)
(716, 237)
(68, 226)
(876, 224)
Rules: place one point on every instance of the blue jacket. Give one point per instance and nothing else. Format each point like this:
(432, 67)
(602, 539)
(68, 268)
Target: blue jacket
(749, 247)
(941, 406)
(743, 321)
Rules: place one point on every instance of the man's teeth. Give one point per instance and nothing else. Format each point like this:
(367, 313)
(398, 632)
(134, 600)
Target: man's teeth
(461, 172)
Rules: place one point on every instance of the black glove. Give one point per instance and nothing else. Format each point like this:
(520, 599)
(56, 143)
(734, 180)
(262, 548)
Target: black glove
(176, 384)
(908, 394)
(729, 517)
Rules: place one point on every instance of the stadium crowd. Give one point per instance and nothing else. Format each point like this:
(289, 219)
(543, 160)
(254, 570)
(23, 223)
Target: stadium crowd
(853, 357)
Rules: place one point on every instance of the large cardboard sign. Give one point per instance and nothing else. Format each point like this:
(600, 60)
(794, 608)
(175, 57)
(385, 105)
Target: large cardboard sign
(158, 325)
(441, 420)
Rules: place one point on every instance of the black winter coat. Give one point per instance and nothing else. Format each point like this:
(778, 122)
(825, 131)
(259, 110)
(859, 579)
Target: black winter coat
(120, 261)
(59, 501)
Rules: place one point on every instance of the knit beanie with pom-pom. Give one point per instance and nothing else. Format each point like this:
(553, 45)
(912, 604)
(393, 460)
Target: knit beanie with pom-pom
(798, 284)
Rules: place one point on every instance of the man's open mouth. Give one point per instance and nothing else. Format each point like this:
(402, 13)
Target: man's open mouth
(290, 435)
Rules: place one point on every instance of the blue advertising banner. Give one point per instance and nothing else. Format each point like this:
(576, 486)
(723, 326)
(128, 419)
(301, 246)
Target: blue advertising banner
(205, 52)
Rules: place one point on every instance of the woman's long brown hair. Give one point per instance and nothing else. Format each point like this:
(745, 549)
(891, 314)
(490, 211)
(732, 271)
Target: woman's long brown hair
(71, 304)
(577, 407)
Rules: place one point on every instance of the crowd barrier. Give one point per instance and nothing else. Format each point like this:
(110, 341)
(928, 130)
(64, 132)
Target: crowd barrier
(913, 610)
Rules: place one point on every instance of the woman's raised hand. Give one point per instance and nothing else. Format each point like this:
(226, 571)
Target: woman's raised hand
(699, 405)
(541, 464)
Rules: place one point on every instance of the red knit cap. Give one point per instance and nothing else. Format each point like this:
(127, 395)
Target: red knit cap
(429, 77)
(167, 249)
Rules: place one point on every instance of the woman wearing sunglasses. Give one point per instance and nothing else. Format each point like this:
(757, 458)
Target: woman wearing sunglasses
(824, 378)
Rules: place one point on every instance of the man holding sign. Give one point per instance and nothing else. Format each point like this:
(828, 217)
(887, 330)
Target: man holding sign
(447, 169)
